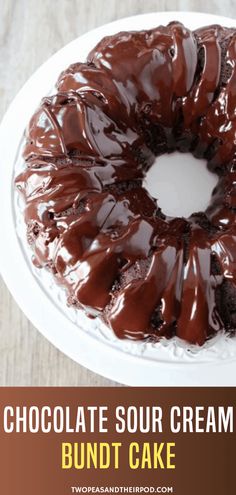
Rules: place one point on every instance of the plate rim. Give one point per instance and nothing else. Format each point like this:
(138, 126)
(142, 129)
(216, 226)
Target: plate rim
(128, 371)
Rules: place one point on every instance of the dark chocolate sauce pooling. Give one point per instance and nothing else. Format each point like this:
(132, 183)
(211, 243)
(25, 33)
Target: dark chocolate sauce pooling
(89, 218)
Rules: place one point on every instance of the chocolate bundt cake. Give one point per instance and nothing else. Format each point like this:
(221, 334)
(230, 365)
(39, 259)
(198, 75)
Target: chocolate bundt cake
(90, 219)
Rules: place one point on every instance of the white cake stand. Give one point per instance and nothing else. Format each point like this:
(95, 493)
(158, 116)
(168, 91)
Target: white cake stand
(85, 341)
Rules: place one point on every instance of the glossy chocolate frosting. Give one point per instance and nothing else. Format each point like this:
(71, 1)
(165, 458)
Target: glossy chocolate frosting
(89, 218)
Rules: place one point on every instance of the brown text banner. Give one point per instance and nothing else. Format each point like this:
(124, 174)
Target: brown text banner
(58, 441)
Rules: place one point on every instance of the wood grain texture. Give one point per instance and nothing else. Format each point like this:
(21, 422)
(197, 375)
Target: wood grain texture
(30, 32)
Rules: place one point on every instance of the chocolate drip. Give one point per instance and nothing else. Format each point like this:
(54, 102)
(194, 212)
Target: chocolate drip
(89, 218)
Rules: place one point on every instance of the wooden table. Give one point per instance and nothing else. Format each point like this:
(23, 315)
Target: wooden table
(30, 32)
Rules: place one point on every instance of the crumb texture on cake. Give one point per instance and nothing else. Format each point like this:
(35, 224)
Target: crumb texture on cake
(89, 218)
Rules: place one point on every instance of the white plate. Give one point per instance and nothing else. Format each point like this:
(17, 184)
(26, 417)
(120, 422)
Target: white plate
(90, 343)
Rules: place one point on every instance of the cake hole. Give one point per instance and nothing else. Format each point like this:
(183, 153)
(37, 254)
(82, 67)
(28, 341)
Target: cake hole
(181, 183)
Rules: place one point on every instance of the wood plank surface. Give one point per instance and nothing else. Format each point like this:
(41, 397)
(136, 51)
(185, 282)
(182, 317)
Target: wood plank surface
(30, 32)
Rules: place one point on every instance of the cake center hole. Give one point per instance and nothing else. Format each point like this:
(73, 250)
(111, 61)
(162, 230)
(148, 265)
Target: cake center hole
(181, 183)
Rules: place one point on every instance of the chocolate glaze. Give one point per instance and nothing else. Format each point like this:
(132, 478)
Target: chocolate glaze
(87, 149)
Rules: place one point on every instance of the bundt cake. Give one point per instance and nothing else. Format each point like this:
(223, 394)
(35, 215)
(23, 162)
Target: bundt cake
(90, 219)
